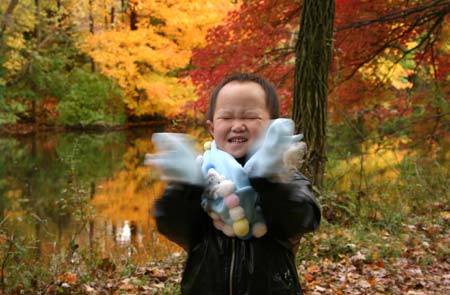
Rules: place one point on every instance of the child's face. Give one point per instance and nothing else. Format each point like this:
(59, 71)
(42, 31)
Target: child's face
(240, 116)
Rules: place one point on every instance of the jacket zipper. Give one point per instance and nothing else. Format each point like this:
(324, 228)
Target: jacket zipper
(233, 257)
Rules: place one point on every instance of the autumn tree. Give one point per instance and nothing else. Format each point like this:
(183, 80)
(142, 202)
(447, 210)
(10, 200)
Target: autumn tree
(387, 57)
(42, 67)
(391, 64)
(147, 49)
(259, 37)
(6, 110)
(313, 57)
(50, 51)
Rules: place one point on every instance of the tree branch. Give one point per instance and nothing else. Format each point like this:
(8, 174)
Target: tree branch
(434, 15)
(7, 14)
(438, 7)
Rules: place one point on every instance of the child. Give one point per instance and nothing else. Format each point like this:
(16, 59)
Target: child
(240, 111)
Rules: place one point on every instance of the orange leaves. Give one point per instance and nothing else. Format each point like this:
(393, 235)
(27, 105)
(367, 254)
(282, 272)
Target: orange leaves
(146, 61)
(313, 269)
(68, 277)
(309, 277)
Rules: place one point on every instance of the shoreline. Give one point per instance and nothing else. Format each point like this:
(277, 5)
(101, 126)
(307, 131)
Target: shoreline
(25, 129)
(28, 128)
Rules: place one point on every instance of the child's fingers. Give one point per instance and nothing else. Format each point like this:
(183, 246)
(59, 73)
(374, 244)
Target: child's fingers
(182, 144)
(297, 137)
(149, 159)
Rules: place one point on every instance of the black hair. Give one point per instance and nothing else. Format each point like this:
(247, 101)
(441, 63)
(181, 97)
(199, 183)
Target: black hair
(272, 102)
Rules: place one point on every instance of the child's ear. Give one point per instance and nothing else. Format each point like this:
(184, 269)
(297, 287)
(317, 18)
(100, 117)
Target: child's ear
(210, 125)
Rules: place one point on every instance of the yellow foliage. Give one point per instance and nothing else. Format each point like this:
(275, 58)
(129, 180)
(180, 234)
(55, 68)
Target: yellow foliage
(128, 197)
(444, 41)
(24, 16)
(378, 165)
(19, 50)
(22, 20)
(15, 41)
(121, 198)
(144, 62)
(392, 73)
(14, 63)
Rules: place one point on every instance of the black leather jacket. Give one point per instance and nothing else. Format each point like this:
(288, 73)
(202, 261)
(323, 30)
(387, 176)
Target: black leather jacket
(220, 265)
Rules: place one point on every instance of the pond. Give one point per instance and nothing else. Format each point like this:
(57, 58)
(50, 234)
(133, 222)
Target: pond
(83, 190)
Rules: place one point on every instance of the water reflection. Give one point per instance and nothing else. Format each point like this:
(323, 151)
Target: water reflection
(89, 188)
(124, 235)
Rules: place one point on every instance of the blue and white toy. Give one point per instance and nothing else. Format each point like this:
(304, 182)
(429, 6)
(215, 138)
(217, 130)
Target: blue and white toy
(229, 199)
(223, 204)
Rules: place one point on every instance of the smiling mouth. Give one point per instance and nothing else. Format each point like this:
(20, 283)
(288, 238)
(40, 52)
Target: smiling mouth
(237, 140)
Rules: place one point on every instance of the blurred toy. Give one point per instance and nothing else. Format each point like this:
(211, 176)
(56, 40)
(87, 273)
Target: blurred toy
(219, 187)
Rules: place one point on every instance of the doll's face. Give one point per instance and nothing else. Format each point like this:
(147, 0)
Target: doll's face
(213, 178)
(240, 116)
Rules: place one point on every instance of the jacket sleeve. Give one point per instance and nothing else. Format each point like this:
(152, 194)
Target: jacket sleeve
(290, 209)
(179, 215)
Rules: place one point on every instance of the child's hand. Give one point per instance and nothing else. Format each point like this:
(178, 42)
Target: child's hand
(268, 160)
(293, 158)
(176, 157)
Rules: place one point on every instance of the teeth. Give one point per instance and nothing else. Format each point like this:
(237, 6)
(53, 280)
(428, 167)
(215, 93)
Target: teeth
(238, 140)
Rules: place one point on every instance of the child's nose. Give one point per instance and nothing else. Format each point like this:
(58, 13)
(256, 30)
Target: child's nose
(238, 126)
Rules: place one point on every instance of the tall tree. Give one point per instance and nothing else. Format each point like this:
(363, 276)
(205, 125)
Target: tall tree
(147, 54)
(312, 62)
(390, 61)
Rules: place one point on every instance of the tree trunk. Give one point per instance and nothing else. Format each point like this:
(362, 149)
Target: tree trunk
(91, 29)
(37, 28)
(7, 15)
(112, 14)
(124, 10)
(313, 56)
(133, 19)
(37, 36)
(91, 17)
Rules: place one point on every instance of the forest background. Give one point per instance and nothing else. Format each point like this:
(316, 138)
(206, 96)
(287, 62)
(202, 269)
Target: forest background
(106, 64)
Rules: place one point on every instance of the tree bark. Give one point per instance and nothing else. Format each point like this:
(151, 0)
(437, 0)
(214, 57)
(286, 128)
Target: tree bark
(313, 57)
(91, 17)
(6, 16)
(133, 19)
(37, 36)
(91, 29)
(112, 14)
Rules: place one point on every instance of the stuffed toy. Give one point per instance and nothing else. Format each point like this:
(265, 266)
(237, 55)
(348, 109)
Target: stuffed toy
(223, 191)
(229, 199)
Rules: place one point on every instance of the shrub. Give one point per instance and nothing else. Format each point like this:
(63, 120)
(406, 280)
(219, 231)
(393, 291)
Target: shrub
(91, 99)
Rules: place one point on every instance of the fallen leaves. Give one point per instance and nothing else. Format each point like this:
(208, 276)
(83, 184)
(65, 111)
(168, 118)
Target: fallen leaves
(399, 276)
(338, 260)
(150, 279)
(69, 277)
(415, 259)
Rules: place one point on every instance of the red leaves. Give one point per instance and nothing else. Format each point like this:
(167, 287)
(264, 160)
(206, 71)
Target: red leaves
(260, 38)
(246, 44)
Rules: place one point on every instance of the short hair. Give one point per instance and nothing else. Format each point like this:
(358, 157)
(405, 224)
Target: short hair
(272, 101)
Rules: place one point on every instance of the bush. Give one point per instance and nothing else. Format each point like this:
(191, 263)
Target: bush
(91, 99)
(8, 111)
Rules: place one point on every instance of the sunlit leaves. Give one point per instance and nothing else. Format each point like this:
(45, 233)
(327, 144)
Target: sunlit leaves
(147, 54)
(256, 38)
(387, 54)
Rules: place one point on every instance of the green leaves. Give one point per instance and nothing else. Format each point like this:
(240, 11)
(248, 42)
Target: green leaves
(88, 100)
